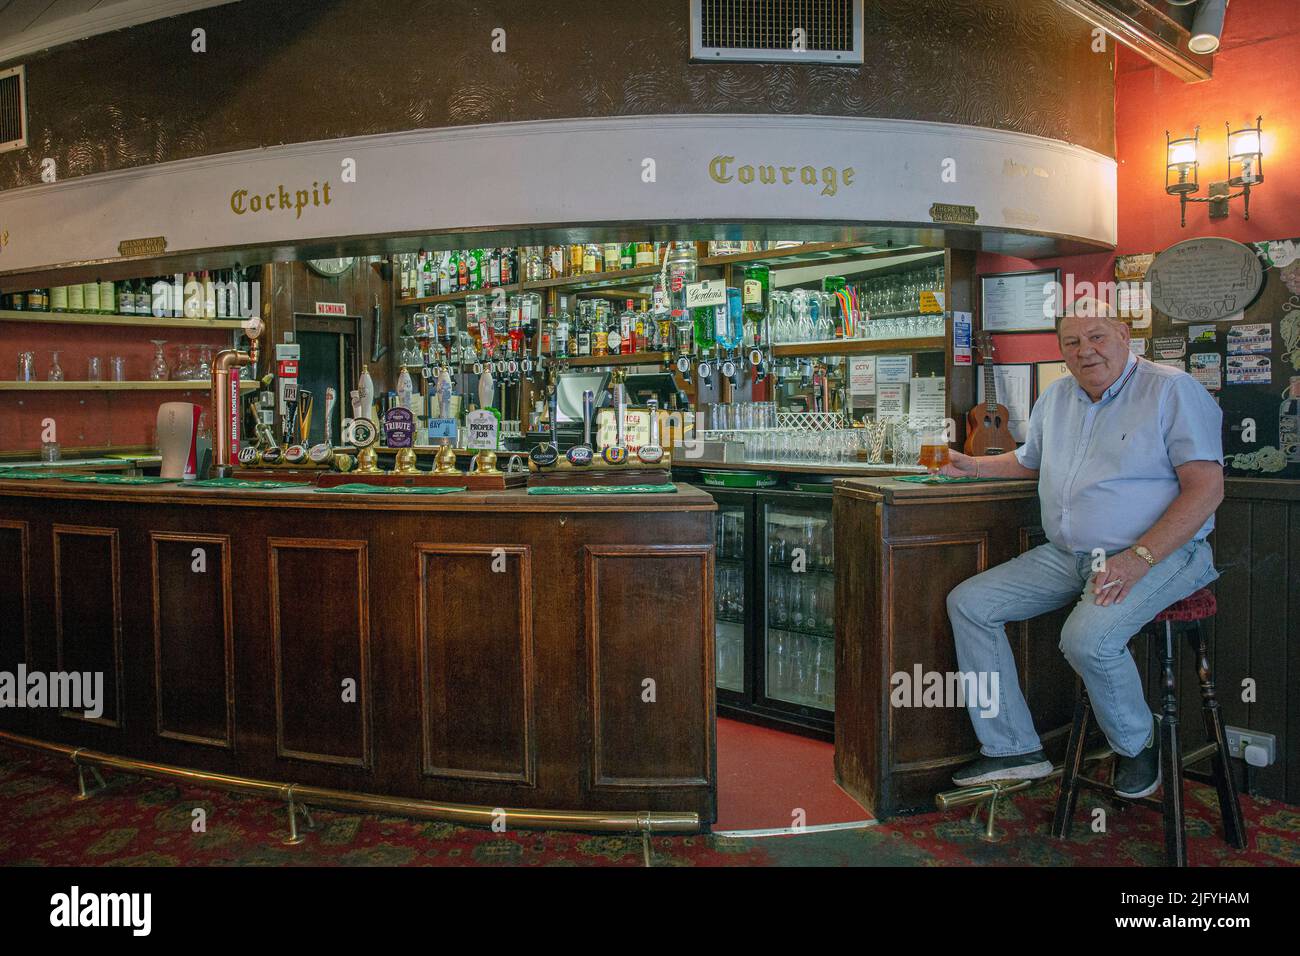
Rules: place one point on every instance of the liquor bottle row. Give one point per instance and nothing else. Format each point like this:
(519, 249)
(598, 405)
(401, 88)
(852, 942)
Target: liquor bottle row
(194, 295)
(428, 274)
(455, 270)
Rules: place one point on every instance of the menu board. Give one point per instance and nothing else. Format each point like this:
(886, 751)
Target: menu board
(1205, 280)
(1020, 301)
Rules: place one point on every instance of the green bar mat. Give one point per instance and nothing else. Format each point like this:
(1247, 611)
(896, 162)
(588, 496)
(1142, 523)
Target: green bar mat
(942, 479)
(360, 488)
(605, 490)
(244, 483)
(30, 475)
(121, 479)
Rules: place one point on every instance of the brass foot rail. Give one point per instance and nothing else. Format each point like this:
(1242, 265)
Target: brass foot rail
(296, 796)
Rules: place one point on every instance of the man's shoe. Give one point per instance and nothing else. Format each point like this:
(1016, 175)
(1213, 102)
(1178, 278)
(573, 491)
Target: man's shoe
(1139, 775)
(1032, 766)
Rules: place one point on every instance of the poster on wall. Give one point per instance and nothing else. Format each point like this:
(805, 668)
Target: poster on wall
(1247, 358)
(1205, 280)
(1020, 301)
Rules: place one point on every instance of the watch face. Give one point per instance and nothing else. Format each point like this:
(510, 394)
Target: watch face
(330, 267)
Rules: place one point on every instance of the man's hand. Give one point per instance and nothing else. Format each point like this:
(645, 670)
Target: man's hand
(1122, 571)
(959, 466)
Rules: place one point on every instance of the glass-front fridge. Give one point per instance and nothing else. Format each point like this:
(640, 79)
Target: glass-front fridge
(796, 636)
(732, 585)
(774, 605)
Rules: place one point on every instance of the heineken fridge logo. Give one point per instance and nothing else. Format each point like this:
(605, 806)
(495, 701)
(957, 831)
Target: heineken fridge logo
(61, 689)
(828, 177)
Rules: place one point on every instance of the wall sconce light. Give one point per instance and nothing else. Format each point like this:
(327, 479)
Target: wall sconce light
(1245, 169)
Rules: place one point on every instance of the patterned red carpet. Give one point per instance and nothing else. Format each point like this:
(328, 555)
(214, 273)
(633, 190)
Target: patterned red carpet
(141, 822)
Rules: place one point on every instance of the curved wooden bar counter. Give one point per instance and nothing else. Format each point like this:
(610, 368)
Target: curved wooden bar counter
(431, 655)
(899, 549)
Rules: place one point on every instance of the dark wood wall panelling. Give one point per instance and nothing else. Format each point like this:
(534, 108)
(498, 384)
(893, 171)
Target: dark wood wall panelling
(289, 299)
(193, 637)
(897, 758)
(301, 70)
(651, 669)
(473, 686)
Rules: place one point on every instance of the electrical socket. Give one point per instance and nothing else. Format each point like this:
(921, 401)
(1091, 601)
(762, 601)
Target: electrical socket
(1239, 740)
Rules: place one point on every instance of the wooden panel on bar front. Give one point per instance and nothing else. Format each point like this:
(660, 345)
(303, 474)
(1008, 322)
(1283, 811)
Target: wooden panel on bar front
(920, 638)
(638, 742)
(15, 596)
(194, 665)
(320, 636)
(477, 671)
(88, 612)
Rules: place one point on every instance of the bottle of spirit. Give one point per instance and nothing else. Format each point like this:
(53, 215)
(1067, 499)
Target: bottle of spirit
(494, 267)
(645, 254)
(599, 332)
(705, 318)
(592, 258)
(754, 301)
(59, 299)
(612, 257)
(627, 328)
(584, 329)
(577, 254)
(1289, 423)
(107, 298)
(562, 329)
(627, 255)
(76, 298)
(90, 296)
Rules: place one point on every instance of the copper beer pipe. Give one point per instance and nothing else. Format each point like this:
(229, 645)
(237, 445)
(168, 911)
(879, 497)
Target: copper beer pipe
(221, 404)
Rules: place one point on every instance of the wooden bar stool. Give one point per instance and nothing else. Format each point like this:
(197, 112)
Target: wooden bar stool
(1187, 616)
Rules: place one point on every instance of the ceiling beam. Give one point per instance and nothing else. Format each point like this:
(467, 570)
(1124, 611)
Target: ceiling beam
(1148, 31)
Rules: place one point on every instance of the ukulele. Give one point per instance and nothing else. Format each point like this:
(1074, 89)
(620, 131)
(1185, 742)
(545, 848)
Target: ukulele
(986, 423)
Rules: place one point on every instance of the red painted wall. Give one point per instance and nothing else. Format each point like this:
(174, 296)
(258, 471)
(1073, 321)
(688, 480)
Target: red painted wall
(1256, 72)
(100, 419)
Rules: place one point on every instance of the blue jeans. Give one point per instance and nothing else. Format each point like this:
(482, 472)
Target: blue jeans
(1094, 639)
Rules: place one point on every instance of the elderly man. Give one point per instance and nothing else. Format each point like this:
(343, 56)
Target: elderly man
(1128, 456)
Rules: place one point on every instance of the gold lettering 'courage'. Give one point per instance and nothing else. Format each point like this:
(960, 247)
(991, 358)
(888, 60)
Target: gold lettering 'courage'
(280, 200)
(722, 169)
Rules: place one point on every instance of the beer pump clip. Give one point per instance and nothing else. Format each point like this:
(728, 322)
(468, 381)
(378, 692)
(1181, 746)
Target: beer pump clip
(580, 456)
(616, 453)
(547, 453)
(652, 452)
(323, 453)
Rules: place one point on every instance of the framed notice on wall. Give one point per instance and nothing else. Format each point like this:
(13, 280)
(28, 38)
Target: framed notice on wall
(1020, 301)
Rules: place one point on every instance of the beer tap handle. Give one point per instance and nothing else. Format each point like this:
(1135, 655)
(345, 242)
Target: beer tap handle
(588, 406)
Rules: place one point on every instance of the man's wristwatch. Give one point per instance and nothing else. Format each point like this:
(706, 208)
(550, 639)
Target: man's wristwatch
(1144, 554)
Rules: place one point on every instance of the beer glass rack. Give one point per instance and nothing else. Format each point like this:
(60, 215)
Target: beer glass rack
(810, 421)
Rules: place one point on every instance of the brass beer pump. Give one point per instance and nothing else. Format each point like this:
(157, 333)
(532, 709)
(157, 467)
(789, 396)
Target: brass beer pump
(225, 426)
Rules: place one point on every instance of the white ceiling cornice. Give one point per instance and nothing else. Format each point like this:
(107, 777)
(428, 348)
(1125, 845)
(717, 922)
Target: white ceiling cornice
(28, 26)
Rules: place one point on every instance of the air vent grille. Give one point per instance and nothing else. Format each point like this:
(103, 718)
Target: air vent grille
(13, 109)
(815, 31)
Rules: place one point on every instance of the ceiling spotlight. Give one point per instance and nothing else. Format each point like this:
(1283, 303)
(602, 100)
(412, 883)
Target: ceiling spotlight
(1180, 3)
(1207, 26)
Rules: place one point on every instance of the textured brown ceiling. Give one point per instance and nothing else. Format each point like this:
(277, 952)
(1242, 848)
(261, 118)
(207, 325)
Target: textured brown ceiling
(300, 70)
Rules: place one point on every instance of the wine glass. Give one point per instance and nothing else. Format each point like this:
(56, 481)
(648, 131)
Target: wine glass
(56, 370)
(158, 367)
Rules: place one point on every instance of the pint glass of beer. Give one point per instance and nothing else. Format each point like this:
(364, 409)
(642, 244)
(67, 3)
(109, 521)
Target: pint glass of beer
(934, 447)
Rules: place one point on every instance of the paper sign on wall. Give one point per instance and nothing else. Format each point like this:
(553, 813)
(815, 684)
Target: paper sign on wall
(893, 369)
(862, 375)
(961, 354)
(928, 399)
(891, 401)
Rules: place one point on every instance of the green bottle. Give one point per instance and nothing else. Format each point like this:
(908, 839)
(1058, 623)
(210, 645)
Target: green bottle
(754, 297)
